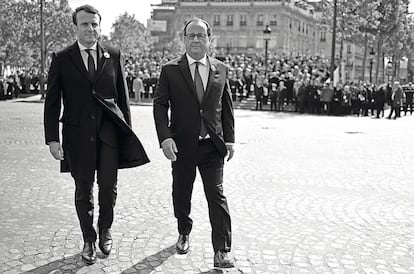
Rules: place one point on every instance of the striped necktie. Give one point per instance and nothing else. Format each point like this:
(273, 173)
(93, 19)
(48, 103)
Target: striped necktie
(200, 92)
(198, 82)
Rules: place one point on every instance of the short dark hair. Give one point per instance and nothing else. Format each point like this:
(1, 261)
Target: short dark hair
(196, 19)
(85, 8)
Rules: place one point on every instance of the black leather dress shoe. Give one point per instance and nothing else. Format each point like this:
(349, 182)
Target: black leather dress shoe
(105, 241)
(183, 244)
(222, 260)
(89, 253)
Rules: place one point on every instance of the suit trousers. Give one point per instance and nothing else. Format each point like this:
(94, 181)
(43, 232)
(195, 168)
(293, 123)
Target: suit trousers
(210, 165)
(107, 173)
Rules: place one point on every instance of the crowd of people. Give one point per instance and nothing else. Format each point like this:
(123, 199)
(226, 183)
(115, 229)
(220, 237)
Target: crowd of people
(24, 81)
(246, 69)
(299, 84)
(310, 96)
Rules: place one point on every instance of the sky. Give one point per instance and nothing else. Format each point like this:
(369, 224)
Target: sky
(111, 9)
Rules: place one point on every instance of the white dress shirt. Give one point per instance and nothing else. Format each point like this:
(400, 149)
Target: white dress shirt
(203, 68)
(84, 54)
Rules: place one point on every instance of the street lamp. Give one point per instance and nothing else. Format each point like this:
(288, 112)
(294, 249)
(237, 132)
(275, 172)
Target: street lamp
(266, 36)
(42, 53)
(371, 61)
(332, 69)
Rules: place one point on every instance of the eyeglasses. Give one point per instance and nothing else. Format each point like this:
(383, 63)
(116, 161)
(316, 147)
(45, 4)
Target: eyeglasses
(200, 36)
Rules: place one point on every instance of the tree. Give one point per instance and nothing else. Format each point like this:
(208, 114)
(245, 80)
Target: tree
(59, 28)
(392, 40)
(20, 30)
(383, 23)
(368, 24)
(176, 47)
(15, 20)
(130, 35)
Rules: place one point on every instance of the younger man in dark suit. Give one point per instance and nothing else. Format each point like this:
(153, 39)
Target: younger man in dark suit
(88, 78)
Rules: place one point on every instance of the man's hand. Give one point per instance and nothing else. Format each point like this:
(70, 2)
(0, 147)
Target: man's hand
(230, 151)
(56, 150)
(169, 148)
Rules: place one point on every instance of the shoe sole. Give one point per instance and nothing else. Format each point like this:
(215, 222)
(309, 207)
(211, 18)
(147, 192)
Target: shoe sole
(104, 252)
(180, 251)
(88, 261)
(223, 266)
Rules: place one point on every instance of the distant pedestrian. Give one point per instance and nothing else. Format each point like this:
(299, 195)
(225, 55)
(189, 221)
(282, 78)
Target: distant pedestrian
(11, 87)
(273, 97)
(379, 101)
(2, 89)
(326, 98)
(138, 87)
(397, 100)
(281, 95)
(301, 98)
(337, 100)
(409, 92)
(258, 92)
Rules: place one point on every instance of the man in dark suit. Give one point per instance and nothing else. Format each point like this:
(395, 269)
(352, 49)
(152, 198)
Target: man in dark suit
(89, 79)
(199, 132)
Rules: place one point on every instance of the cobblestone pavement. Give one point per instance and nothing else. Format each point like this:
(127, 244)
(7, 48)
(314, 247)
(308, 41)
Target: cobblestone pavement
(307, 194)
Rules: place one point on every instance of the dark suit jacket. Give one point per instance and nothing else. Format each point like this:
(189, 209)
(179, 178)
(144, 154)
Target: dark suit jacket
(176, 91)
(84, 117)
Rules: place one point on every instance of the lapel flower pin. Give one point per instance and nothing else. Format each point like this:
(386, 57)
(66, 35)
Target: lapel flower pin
(106, 55)
(213, 68)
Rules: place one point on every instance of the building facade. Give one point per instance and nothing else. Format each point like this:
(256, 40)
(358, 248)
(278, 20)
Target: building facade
(238, 25)
(297, 27)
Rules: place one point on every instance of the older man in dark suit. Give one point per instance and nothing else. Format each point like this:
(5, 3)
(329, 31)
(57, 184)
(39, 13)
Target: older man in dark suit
(198, 133)
(88, 78)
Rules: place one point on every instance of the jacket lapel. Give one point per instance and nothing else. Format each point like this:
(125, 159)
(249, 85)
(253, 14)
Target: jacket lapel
(76, 58)
(101, 52)
(212, 72)
(185, 70)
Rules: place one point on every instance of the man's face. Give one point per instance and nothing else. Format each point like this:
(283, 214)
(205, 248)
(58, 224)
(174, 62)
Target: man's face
(88, 28)
(196, 40)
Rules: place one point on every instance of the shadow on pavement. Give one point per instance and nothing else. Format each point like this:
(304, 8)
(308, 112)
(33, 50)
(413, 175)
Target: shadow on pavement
(70, 264)
(213, 271)
(73, 263)
(149, 263)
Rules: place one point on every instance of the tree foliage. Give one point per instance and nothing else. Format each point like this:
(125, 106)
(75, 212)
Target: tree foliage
(14, 21)
(384, 25)
(176, 46)
(130, 35)
(20, 30)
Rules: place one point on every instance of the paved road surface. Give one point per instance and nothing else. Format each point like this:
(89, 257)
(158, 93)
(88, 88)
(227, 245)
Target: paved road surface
(307, 194)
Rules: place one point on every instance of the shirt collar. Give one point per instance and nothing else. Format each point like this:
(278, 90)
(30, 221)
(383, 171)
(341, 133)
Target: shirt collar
(191, 60)
(82, 47)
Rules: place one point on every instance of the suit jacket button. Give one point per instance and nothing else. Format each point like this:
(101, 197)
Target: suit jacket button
(201, 111)
(92, 139)
(93, 92)
(93, 116)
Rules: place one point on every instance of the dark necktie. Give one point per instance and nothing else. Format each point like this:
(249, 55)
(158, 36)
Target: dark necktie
(198, 83)
(200, 92)
(91, 65)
